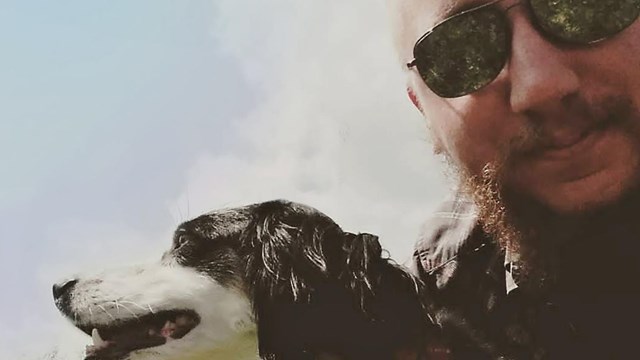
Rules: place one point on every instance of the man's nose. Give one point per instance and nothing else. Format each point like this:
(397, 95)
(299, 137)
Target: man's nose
(539, 72)
(64, 287)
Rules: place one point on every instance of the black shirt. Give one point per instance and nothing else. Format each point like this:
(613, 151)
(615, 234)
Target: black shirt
(485, 311)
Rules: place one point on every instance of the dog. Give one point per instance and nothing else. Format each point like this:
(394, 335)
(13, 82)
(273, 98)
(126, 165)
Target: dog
(276, 280)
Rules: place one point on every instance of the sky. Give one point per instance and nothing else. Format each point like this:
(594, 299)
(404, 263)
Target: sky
(120, 119)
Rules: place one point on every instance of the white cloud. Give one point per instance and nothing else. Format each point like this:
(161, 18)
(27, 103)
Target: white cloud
(335, 129)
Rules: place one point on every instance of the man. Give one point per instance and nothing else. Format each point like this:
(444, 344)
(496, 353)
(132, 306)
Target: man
(536, 105)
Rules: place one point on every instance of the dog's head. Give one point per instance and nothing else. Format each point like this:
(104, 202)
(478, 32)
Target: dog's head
(289, 269)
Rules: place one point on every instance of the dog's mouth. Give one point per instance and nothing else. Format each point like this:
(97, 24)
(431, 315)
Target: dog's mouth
(114, 341)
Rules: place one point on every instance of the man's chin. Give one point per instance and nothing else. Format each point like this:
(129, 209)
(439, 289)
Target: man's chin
(588, 194)
(583, 180)
(534, 222)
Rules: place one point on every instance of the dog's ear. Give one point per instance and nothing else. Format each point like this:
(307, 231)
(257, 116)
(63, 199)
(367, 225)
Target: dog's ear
(285, 251)
(362, 267)
(285, 261)
(385, 293)
(362, 249)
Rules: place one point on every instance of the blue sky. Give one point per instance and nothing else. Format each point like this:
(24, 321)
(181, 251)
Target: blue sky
(118, 119)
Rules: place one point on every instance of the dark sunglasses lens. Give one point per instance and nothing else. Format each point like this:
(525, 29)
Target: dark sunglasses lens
(584, 21)
(464, 53)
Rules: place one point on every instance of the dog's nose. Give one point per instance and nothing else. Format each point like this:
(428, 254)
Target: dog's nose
(61, 288)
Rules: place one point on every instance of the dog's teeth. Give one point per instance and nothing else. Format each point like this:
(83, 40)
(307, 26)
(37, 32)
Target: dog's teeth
(97, 340)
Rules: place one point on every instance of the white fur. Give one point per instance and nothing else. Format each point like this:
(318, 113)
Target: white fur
(130, 292)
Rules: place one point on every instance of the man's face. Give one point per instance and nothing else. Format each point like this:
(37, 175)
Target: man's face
(560, 122)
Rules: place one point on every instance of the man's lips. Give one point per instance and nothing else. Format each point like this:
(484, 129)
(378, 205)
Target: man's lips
(570, 146)
(567, 139)
(579, 160)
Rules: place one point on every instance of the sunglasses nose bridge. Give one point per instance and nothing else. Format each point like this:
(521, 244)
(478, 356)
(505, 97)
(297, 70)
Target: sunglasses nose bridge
(538, 71)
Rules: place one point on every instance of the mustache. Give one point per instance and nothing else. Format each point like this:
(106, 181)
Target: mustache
(612, 112)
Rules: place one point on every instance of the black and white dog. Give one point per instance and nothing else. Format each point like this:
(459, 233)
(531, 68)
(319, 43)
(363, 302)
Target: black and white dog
(275, 280)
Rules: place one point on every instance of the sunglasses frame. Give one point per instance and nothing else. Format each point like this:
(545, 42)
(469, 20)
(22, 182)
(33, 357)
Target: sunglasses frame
(534, 21)
(413, 62)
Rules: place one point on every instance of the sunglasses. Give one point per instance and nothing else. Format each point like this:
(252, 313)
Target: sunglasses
(467, 51)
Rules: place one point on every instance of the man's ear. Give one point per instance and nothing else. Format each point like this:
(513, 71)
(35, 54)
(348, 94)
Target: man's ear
(414, 98)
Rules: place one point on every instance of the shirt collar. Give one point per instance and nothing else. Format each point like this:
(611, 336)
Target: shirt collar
(511, 269)
(462, 214)
(465, 207)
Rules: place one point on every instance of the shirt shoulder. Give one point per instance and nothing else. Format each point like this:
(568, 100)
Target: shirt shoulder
(445, 233)
(452, 248)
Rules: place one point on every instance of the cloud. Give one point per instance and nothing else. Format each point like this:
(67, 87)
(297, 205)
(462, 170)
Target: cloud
(334, 128)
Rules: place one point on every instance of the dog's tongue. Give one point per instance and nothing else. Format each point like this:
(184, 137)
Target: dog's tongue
(135, 337)
(180, 328)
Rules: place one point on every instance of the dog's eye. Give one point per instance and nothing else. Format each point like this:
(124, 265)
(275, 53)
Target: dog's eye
(181, 240)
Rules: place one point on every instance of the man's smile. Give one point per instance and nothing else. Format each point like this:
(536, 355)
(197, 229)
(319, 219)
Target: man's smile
(580, 145)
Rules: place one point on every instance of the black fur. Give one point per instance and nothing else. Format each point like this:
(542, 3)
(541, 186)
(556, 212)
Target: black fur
(316, 289)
